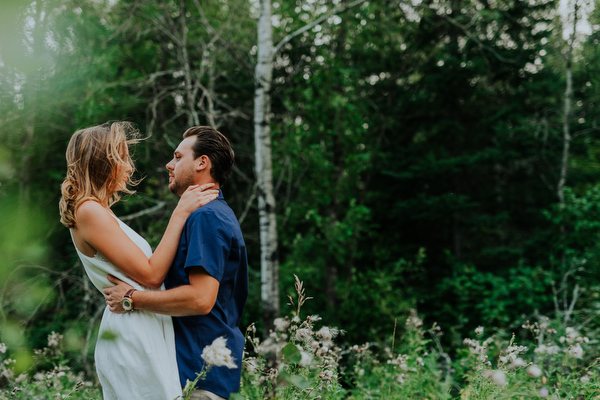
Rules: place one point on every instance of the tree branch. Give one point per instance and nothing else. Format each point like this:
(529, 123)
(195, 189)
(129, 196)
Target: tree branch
(337, 10)
(249, 203)
(147, 211)
(212, 30)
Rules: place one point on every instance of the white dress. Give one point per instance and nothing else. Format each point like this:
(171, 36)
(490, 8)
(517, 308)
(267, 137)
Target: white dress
(135, 352)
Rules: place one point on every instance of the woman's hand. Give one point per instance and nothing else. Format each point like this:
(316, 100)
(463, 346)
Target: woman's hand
(196, 196)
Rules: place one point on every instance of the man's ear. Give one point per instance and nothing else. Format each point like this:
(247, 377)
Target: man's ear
(203, 162)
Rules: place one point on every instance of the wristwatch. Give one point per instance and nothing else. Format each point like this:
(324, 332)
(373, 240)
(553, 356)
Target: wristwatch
(127, 301)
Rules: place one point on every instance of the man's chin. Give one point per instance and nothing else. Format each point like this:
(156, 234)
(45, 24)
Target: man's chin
(175, 190)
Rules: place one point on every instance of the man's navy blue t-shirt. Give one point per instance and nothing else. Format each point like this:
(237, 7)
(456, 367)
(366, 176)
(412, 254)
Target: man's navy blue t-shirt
(212, 239)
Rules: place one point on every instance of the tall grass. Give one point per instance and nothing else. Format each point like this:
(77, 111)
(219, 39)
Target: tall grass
(300, 359)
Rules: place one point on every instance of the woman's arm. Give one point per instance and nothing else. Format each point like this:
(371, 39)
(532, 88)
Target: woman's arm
(101, 231)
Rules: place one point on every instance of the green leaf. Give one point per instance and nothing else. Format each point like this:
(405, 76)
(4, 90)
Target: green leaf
(291, 354)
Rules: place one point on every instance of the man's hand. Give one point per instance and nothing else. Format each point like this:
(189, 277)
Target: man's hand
(114, 294)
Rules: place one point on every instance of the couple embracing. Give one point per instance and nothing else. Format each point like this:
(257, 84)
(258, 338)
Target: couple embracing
(162, 307)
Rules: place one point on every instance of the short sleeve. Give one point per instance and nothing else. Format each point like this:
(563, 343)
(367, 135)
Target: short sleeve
(208, 246)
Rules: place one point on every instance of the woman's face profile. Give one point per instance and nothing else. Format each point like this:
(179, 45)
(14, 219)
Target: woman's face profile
(123, 172)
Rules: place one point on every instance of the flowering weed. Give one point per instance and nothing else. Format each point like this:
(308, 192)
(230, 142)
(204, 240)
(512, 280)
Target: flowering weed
(299, 359)
(295, 361)
(416, 370)
(55, 382)
(554, 366)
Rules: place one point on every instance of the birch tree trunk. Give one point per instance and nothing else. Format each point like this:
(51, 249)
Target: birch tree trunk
(190, 93)
(567, 111)
(269, 262)
(269, 259)
(564, 168)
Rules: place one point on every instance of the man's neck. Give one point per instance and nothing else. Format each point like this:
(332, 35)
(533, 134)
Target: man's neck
(201, 182)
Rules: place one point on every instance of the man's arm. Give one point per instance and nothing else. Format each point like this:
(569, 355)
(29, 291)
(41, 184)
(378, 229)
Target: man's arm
(197, 298)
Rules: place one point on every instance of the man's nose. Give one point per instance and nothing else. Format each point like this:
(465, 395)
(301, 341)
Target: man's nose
(169, 166)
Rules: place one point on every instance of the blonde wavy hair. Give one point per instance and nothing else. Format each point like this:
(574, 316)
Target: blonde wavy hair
(95, 156)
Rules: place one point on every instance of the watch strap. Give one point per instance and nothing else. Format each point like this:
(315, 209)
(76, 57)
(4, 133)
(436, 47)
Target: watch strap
(128, 296)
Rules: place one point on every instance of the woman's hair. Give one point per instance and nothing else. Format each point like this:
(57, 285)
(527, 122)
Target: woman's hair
(94, 156)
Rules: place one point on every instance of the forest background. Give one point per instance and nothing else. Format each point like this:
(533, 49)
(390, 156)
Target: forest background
(437, 155)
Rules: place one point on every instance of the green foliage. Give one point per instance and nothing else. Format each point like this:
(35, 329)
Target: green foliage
(416, 369)
(299, 361)
(49, 376)
(295, 361)
(492, 299)
(416, 149)
(560, 363)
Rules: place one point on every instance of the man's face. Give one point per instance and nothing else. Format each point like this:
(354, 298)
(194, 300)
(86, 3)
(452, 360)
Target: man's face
(182, 168)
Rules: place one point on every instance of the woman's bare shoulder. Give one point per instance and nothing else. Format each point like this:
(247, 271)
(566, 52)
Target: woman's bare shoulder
(90, 210)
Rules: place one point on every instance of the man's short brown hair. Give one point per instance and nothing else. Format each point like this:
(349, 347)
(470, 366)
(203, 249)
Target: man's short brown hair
(216, 147)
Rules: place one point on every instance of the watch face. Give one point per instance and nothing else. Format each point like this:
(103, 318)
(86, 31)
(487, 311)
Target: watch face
(127, 304)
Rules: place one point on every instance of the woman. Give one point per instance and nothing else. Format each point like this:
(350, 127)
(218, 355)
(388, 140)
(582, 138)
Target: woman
(135, 353)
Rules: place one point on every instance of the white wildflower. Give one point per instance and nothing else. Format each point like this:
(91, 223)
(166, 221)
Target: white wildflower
(269, 347)
(217, 354)
(272, 375)
(518, 362)
(8, 374)
(361, 372)
(400, 378)
(54, 339)
(549, 350)
(303, 334)
(499, 378)
(306, 359)
(252, 365)
(572, 335)
(325, 334)
(474, 346)
(541, 349)
(313, 318)
(326, 375)
(544, 392)
(584, 379)
(479, 330)
(281, 324)
(534, 371)
(322, 352)
(414, 321)
(575, 351)
(2, 348)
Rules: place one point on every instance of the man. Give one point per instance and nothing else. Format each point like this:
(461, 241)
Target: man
(207, 284)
